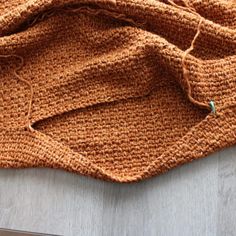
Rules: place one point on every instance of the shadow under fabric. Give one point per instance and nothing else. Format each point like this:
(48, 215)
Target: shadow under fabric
(97, 87)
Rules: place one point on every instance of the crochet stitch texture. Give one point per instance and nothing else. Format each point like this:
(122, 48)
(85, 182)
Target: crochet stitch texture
(113, 89)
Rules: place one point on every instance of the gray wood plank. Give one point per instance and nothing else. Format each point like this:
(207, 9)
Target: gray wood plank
(227, 193)
(195, 199)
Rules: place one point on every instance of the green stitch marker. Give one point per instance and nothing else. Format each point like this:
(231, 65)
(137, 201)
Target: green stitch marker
(212, 106)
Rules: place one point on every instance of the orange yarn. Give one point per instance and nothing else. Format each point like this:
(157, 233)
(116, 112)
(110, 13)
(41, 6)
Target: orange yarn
(15, 72)
(187, 51)
(109, 84)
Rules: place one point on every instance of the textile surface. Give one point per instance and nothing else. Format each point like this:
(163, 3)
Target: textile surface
(113, 89)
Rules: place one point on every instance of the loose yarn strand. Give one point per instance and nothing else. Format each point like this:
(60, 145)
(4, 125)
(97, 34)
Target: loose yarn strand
(184, 66)
(115, 15)
(87, 10)
(28, 83)
(187, 51)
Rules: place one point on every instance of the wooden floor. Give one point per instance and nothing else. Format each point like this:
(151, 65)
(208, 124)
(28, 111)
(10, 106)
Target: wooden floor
(196, 199)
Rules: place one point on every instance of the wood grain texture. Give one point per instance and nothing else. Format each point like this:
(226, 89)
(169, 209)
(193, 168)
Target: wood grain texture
(195, 199)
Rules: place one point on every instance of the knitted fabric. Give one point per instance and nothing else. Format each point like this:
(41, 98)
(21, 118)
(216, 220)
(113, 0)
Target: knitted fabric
(119, 90)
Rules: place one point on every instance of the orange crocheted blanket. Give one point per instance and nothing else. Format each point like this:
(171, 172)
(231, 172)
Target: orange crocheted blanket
(116, 89)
